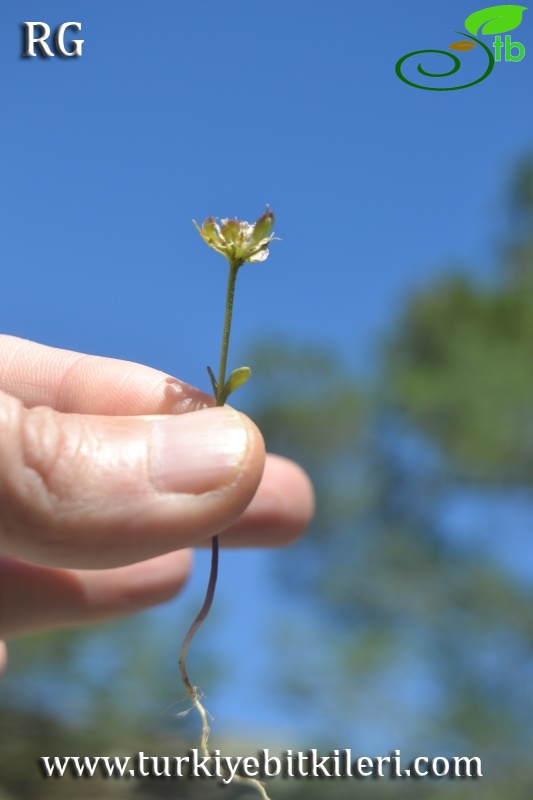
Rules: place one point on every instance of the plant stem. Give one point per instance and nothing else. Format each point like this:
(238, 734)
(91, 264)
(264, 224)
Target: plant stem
(192, 691)
(230, 294)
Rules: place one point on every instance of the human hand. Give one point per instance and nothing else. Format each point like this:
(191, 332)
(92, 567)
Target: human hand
(109, 472)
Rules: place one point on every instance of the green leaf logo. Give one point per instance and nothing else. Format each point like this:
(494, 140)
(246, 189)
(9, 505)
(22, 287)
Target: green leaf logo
(496, 19)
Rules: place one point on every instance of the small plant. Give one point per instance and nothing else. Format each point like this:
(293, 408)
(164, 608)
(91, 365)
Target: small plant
(239, 242)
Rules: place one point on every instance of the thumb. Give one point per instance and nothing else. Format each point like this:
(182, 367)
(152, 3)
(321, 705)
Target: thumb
(95, 491)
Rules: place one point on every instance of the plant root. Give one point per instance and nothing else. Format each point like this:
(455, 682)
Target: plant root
(193, 692)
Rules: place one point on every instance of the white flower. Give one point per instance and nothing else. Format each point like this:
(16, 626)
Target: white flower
(239, 241)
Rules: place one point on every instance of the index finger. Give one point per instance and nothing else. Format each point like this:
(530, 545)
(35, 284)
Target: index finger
(76, 383)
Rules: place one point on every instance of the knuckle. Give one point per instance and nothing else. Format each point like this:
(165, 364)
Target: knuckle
(42, 450)
(33, 472)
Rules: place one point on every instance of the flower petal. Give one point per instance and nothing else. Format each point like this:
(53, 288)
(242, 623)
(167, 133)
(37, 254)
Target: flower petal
(262, 255)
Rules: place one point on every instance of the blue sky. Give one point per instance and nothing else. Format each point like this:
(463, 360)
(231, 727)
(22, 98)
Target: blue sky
(181, 109)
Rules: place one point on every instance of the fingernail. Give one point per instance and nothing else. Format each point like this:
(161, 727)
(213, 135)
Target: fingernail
(197, 452)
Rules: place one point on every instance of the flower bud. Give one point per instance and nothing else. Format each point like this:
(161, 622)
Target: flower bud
(208, 228)
(262, 227)
(230, 230)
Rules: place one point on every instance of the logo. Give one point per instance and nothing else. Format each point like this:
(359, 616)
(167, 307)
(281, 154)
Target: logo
(491, 21)
(37, 33)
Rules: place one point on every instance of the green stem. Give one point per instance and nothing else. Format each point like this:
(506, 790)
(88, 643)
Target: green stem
(206, 607)
(230, 294)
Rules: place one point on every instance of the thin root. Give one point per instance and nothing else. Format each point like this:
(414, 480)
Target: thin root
(193, 691)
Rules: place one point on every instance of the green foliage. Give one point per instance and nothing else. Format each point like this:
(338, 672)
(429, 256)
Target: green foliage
(460, 362)
(402, 600)
(397, 602)
(459, 368)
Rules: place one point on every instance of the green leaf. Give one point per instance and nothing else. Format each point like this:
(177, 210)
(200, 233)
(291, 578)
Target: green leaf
(236, 379)
(214, 383)
(495, 19)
